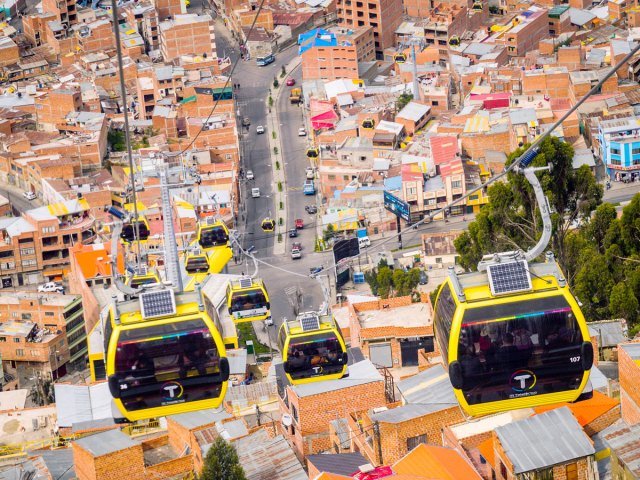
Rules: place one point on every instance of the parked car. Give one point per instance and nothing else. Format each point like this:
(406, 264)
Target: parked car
(259, 129)
(311, 209)
(293, 233)
(255, 192)
(310, 173)
(296, 253)
(249, 175)
(268, 321)
(302, 132)
(424, 278)
(291, 82)
(299, 223)
(246, 122)
(51, 287)
(297, 245)
(29, 196)
(315, 270)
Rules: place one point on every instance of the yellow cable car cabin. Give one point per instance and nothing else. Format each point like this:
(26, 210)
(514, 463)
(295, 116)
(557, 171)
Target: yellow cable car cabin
(218, 259)
(513, 336)
(212, 235)
(477, 6)
(139, 279)
(368, 123)
(400, 58)
(268, 225)
(454, 41)
(164, 355)
(248, 300)
(128, 234)
(313, 348)
(313, 152)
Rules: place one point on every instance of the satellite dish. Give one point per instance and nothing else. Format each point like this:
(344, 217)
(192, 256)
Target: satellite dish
(287, 421)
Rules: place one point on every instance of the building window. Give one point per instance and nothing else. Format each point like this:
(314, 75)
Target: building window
(572, 471)
(615, 151)
(49, 314)
(228, 156)
(16, 339)
(411, 191)
(503, 470)
(546, 474)
(34, 353)
(413, 442)
(456, 184)
(3, 339)
(29, 263)
(635, 151)
(431, 201)
(434, 103)
(26, 316)
(616, 161)
(20, 352)
(294, 412)
(332, 177)
(48, 229)
(27, 251)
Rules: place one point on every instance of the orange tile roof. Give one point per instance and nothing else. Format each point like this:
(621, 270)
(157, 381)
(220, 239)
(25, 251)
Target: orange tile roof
(487, 451)
(87, 257)
(585, 411)
(331, 476)
(434, 462)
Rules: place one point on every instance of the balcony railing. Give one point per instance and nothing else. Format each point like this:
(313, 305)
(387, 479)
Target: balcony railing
(82, 223)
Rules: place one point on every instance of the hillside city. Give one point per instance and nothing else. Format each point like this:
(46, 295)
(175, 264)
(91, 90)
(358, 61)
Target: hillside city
(320, 239)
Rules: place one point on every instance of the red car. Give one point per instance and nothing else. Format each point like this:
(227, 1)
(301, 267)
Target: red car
(291, 82)
(299, 223)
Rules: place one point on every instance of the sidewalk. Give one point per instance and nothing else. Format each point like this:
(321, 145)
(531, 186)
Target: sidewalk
(277, 160)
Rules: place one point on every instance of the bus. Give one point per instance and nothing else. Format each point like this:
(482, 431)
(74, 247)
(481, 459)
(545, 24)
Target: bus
(265, 60)
(309, 187)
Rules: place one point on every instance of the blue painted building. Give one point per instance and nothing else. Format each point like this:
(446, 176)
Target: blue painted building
(620, 147)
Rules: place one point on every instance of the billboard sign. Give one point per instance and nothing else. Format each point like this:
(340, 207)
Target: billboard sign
(397, 206)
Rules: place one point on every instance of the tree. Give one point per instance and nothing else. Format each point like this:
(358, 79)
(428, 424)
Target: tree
(116, 140)
(276, 84)
(402, 101)
(630, 226)
(511, 220)
(329, 233)
(222, 463)
(600, 223)
(283, 72)
(593, 284)
(42, 393)
(385, 281)
(623, 303)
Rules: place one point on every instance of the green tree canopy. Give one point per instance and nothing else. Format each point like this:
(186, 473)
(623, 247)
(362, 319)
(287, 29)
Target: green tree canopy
(221, 463)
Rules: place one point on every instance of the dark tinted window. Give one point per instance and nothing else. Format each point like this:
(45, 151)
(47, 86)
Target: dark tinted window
(314, 355)
(518, 356)
(198, 264)
(443, 317)
(167, 364)
(248, 300)
(137, 281)
(213, 237)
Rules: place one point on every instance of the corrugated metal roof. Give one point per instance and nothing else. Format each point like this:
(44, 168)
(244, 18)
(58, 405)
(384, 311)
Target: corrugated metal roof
(341, 427)
(82, 403)
(360, 373)
(233, 429)
(609, 334)
(624, 441)
(413, 111)
(632, 349)
(267, 459)
(199, 418)
(409, 412)
(237, 361)
(106, 442)
(431, 386)
(59, 462)
(340, 464)
(544, 440)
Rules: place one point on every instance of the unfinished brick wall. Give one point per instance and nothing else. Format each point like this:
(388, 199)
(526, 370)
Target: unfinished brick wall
(629, 372)
(127, 463)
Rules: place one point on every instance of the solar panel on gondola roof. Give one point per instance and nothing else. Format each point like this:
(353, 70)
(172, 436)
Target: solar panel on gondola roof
(509, 277)
(157, 304)
(245, 282)
(310, 323)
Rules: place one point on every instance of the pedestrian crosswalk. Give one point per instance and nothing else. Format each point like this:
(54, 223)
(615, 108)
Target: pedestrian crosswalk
(294, 189)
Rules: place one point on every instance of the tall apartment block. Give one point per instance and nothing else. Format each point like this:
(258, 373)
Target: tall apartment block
(383, 15)
(187, 35)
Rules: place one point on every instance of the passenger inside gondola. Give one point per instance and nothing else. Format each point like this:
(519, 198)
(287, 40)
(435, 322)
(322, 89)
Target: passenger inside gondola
(213, 237)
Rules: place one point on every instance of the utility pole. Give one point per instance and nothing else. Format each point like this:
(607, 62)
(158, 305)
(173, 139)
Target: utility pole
(399, 230)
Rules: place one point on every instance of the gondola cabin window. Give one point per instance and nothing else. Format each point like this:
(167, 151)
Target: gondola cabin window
(519, 349)
(445, 310)
(167, 364)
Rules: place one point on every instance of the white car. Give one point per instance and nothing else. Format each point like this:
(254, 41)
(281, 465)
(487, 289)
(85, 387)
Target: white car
(268, 321)
(29, 195)
(51, 287)
(302, 132)
(249, 175)
(255, 192)
(259, 129)
(310, 172)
